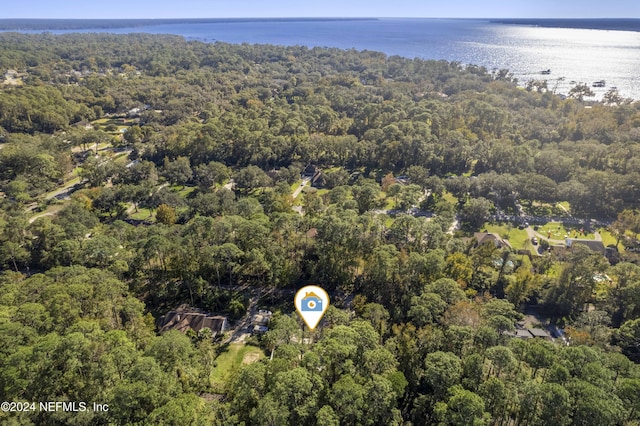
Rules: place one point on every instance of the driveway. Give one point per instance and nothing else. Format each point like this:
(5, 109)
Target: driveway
(299, 189)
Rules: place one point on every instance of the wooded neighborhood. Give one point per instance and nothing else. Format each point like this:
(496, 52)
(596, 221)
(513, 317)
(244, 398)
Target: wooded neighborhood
(162, 200)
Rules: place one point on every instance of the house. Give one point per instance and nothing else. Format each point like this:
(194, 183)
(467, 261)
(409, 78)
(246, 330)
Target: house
(315, 176)
(487, 237)
(310, 171)
(260, 321)
(184, 319)
(532, 333)
(523, 334)
(539, 333)
(593, 245)
(402, 180)
(319, 180)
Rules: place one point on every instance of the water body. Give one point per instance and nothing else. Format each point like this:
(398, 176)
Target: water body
(588, 53)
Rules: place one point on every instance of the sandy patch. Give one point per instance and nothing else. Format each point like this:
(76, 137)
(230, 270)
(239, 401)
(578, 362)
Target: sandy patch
(250, 357)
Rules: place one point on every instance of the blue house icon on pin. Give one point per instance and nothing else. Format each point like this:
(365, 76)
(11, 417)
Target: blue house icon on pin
(311, 303)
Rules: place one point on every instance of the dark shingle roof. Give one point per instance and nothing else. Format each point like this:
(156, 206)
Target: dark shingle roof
(196, 321)
(593, 245)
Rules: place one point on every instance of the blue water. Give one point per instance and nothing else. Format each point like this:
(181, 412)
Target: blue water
(574, 55)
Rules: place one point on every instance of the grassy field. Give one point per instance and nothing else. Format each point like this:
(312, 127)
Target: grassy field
(517, 237)
(51, 210)
(182, 191)
(143, 214)
(558, 231)
(235, 355)
(389, 204)
(609, 239)
(449, 197)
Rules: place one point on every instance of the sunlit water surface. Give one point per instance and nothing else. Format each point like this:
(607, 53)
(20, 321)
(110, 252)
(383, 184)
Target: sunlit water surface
(572, 55)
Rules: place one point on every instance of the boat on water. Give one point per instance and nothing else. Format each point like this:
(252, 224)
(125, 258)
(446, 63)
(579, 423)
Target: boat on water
(545, 72)
(600, 83)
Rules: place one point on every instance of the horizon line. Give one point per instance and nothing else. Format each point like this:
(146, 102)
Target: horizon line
(318, 18)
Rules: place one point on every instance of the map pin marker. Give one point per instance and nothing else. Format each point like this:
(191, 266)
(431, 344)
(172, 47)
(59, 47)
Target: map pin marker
(311, 303)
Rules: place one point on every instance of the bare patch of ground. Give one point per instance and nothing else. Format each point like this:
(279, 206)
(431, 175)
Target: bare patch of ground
(250, 357)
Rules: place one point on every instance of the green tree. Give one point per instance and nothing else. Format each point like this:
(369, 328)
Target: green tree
(366, 194)
(462, 408)
(166, 214)
(250, 178)
(179, 171)
(475, 212)
(580, 91)
(442, 370)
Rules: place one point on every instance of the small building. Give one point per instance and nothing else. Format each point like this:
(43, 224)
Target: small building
(310, 171)
(260, 321)
(184, 319)
(593, 245)
(532, 333)
(539, 333)
(315, 176)
(488, 237)
(402, 180)
(319, 180)
(523, 334)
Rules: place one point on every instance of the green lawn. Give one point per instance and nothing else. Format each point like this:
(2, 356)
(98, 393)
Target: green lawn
(517, 237)
(566, 206)
(50, 211)
(143, 214)
(333, 169)
(609, 239)
(389, 204)
(545, 209)
(183, 191)
(558, 231)
(388, 222)
(121, 157)
(449, 197)
(230, 360)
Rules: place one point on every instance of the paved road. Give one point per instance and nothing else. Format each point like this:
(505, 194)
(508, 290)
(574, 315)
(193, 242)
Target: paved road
(64, 192)
(296, 193)
(241, 331)
(299, 189)
(38, 216)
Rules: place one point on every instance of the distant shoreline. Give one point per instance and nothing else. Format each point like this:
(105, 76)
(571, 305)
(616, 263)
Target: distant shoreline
(86, 24)
(609, 24)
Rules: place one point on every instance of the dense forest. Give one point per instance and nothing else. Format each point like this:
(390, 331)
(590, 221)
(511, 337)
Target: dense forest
(139, 173)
